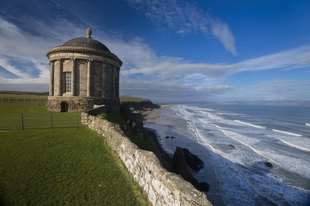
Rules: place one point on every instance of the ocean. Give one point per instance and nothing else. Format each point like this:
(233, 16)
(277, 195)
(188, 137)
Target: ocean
(253, 154)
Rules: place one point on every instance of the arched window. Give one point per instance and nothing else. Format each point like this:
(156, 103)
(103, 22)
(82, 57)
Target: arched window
(67, 82)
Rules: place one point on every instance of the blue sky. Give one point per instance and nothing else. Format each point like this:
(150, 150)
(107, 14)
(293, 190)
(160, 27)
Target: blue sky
(173, 51)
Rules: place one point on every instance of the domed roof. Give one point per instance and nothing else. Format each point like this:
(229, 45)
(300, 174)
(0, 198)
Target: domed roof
(84, 45)
(87, 42)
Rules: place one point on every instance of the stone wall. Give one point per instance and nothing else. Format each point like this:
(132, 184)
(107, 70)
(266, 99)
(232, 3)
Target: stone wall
(162, 187)
(76, 104)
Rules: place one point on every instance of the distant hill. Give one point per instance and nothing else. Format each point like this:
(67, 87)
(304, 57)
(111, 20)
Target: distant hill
(23, 92)
(126, 98)
(286, 102)
(123, 98)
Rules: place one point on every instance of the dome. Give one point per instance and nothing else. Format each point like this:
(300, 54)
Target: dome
(87, 42)
(83, 45)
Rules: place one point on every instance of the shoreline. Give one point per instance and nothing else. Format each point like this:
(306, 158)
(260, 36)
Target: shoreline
(182, 161)
(149, 116)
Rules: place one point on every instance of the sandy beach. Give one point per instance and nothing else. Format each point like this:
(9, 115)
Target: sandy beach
(150, 116)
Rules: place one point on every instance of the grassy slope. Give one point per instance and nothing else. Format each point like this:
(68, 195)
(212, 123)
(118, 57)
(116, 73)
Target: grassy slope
(61, 166)
(35, 116)
(23, 98)
(36, 99)
(21, 108)
(126, 98)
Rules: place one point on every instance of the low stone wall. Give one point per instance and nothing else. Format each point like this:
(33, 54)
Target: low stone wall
(80, 104)
(161, 186)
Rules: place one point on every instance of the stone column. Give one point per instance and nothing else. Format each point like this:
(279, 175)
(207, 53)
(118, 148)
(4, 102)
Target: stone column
(113, 81)
(104, 70)
(108, 81)
(117, 82)
(59, 92)
(73, 78)
(89, 78)
(51, 78)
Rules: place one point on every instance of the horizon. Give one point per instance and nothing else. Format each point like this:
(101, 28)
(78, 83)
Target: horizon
(172, 51)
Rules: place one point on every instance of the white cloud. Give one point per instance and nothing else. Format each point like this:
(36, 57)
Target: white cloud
(169, 88)
(164, 76)
(4, 62)
(181, 31)
(186, 18)
(222, 32)
(282, 86)
(289, 59)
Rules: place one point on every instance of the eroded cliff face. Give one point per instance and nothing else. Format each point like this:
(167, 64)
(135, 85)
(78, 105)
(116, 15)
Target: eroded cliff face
(140, 105)
(161, 186)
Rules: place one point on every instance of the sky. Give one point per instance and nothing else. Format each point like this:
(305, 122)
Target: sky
(172, 51)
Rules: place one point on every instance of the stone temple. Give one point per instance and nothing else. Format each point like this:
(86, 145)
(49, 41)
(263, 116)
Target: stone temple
(83, 74)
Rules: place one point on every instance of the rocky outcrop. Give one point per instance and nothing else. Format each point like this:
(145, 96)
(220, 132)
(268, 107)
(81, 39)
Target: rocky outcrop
(192, 160)
(204, 186)
(268, 164)
(162, 187)
(180, 167)
(139, 105)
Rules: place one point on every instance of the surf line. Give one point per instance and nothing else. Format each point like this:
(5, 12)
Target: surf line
(275, 130)
(253, 149)
(250, 124)
(307, 124)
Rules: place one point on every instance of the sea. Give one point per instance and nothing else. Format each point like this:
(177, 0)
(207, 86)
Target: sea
(253, 154)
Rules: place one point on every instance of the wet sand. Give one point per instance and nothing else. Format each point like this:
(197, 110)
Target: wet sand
(149, 116)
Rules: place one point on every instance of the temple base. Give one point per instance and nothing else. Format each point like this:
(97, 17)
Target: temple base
(76, 104)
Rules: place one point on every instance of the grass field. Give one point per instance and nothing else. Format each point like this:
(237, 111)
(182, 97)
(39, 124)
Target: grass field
(22, 108)
(35, 117)
(37, 99)
(23, 98)
(126, 98)
(61, 166)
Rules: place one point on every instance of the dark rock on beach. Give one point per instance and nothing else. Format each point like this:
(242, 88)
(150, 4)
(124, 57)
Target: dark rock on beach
(231, 146)
(205, 186)
(268, 164)
(193, 160)
(180, 167)
(178, 164)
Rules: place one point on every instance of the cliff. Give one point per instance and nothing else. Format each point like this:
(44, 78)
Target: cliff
(142, 156)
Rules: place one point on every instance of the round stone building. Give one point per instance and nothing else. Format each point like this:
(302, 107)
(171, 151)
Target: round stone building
(83, 74)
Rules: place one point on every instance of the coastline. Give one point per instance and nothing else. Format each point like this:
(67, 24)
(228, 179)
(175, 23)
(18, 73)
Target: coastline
(149, 117)
(180, 160)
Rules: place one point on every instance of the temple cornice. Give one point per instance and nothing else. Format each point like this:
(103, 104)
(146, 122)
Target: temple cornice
(82, 50)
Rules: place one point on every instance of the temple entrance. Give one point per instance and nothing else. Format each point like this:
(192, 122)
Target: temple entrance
(64, 106)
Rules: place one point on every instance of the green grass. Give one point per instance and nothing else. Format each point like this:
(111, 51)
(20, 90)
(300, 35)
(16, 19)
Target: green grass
(27, 96)
(35, 117)
(23, 98)
(63, 167)
(22, 108)
(126, 98)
